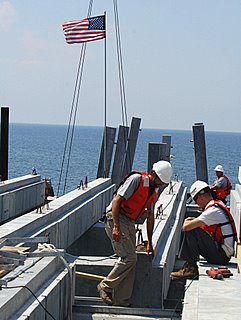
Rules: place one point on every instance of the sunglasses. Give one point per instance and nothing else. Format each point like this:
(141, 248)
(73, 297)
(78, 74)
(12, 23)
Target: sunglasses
(197, 195)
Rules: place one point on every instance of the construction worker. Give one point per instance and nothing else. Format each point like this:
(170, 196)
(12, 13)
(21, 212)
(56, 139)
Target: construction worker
(134, 199)
(221, 187)
(211, 235)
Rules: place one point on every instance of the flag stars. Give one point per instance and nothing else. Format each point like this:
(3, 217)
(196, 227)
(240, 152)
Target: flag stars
(97, 23)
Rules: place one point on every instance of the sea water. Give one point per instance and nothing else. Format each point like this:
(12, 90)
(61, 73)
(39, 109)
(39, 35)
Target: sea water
(42, 147)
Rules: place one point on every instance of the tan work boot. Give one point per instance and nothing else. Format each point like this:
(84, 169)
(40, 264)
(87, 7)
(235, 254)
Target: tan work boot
(187, 272)
(105, 296)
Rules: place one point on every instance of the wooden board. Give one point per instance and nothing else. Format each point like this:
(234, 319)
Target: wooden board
(15, 249)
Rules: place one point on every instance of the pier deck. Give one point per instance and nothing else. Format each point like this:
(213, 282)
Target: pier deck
(213, 299)
(69, 217)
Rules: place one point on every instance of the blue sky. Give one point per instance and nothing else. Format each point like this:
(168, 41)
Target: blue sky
(182, 63)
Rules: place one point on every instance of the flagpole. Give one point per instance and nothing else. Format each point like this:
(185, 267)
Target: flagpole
(105, 103)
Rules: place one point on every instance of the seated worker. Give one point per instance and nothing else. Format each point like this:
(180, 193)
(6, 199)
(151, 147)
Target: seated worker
(134, 198)
(211, 235)
(221, 187)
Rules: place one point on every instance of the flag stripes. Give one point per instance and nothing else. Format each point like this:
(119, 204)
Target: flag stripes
(86, 30)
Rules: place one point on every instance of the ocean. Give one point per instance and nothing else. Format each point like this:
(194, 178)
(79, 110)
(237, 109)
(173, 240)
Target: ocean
(42, 147)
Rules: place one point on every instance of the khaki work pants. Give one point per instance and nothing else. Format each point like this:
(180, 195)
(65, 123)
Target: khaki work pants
(121, 278)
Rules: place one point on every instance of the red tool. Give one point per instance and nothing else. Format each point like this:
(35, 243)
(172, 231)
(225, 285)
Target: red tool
(219, 273)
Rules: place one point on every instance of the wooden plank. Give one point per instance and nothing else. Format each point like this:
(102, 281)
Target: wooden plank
(15, 249)
(89, 276)
(3, 272)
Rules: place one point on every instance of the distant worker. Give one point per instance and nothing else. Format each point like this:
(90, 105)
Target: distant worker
(34, 171)
(221, 187)
(211, 235)
(134, 199)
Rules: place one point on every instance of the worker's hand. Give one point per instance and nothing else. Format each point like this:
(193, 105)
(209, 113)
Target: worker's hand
(189, 218)
(149, 249)
(116, 233)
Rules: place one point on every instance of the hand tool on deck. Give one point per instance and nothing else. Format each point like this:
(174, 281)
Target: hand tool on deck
(219, 273)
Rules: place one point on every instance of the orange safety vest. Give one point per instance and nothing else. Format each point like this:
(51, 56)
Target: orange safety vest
(215, 229)
(224, 192)
(134, 207)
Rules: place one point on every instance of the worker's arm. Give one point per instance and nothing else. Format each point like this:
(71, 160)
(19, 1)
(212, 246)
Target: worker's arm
(191, 223)
(213, 187)
(116, 232)
(220, 183)
(150, 226)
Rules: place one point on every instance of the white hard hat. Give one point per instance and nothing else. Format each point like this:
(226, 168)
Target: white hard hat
(163, 169)
(197, 187)
(219, 168)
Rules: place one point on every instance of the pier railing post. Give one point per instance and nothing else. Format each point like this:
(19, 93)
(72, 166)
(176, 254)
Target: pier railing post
(156, 152)
(4, 143)
(200, 152)
(131, 146)
(106, 152)
(119, 157)
(167, 140)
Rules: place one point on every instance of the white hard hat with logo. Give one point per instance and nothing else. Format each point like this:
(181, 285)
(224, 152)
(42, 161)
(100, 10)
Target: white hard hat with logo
(219, 168)
(197, 187)
(163, 169)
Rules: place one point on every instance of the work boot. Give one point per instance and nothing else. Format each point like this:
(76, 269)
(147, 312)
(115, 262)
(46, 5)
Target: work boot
(105, 296)
(125, 303)
(187, 272)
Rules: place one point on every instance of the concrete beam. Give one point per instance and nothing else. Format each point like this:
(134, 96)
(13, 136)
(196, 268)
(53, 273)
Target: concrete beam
(154, 275)
(48, 280)
(235, 208)
(16, 183)
(151, 275)
(68, 216)
(18, 196)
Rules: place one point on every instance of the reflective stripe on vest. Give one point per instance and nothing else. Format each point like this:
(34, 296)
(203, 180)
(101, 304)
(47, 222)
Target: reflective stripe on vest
(215, 229)
(224, 192)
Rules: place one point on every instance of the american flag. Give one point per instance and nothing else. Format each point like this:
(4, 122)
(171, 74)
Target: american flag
(86, 30)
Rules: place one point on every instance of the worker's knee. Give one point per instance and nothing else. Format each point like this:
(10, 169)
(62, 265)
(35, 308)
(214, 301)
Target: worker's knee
(131, 259)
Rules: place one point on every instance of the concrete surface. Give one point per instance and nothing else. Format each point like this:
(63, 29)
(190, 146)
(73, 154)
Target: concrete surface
(152, 275)
(20, 195)
(213, 299)
(67, 218)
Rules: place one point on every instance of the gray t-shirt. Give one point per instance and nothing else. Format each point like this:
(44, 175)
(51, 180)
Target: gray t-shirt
(220, 182)
(126, 190)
